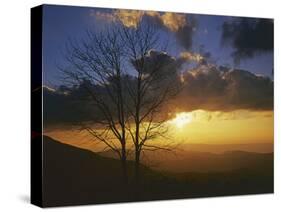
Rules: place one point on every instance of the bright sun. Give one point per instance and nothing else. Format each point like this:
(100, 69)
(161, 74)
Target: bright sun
(181, 119)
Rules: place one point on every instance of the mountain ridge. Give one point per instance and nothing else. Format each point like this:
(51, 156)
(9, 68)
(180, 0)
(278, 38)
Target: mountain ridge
(74, 176)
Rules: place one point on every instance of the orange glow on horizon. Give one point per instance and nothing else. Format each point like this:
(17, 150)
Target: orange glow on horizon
(195, 127)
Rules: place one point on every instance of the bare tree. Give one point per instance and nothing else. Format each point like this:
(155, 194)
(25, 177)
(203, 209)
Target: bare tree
(128, 81)
(96, 65)
(156, 82)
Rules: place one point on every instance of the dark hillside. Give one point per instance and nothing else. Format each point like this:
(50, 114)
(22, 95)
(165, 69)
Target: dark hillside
(76, 176)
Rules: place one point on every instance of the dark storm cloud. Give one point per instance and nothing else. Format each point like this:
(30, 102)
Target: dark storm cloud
(67, 105)
(161, 73)
(185, 34)
(205, 87)
(182, 25)
(213, 88)
(160, 62)
(248, 36)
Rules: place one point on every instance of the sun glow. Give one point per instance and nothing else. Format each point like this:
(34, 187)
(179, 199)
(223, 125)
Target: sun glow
(194, 127)
(181, 119)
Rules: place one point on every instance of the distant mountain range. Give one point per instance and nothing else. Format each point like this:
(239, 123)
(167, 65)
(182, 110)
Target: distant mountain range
(74, 176)
(266, 147)
(181, 161)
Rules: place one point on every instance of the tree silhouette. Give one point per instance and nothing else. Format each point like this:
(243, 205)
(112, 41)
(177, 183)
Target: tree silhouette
(156, 82)
(128, 78)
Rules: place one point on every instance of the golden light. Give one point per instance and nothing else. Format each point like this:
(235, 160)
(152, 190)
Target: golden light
(181, 119)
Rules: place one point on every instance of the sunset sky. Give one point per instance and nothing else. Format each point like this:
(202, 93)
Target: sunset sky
(227, 71)
(62, 23)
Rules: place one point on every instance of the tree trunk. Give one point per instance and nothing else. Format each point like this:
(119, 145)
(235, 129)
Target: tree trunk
(137, 166)
(124, 166)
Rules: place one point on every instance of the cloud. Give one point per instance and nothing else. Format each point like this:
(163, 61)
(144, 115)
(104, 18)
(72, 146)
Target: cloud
(185, 33)
(162, 72)
(189, 56)
(206, 87)
(201, 58)
(248, 36)
(174, 21)
(70, 105)
(103, 16)
(207, 116)
(182, 26)
(159, 61)
(211, 88)
(129, 18)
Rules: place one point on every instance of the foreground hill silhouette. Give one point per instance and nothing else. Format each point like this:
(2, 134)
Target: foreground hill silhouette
(76, 176)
